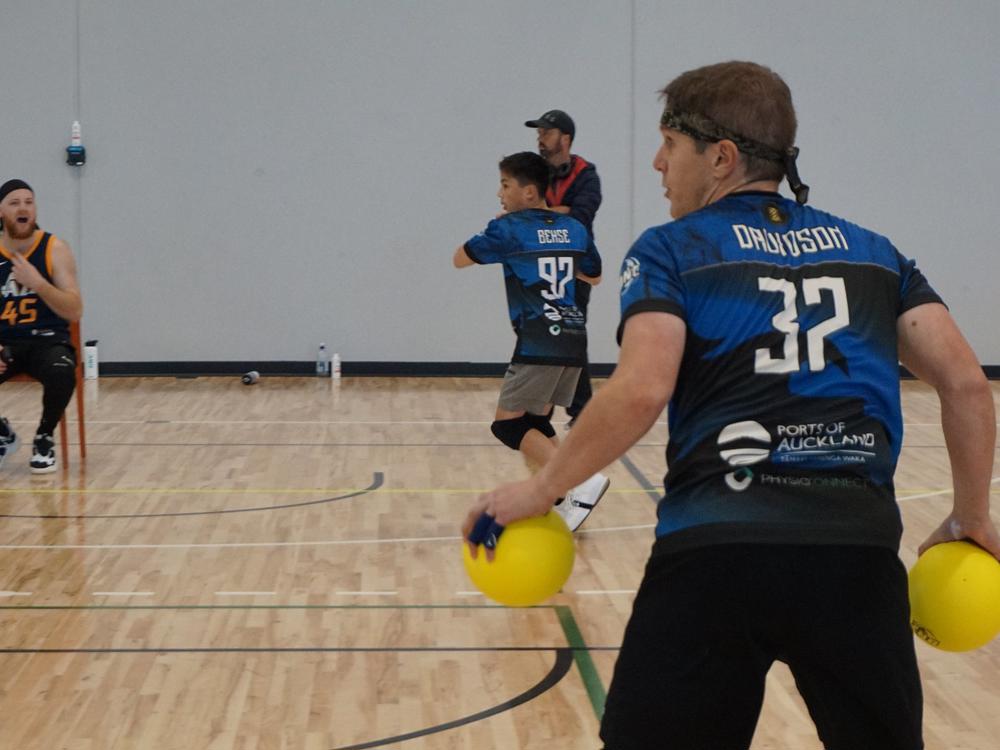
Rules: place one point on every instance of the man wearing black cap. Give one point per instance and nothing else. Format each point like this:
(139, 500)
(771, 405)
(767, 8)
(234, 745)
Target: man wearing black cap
(575, 190)
(775, 331)
(39, 297)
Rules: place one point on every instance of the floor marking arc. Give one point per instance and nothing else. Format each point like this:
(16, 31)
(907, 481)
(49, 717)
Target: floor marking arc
(563, 662)
(377, 480)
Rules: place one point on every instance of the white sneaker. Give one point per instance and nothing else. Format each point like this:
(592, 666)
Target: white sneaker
(581, 500)
(43, 457)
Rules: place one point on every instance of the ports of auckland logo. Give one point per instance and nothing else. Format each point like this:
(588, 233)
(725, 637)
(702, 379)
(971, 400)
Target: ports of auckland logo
(741, 445)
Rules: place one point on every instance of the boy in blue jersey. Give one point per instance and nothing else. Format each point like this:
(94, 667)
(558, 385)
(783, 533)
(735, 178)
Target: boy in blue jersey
(544, 255)
(574, 189)
(39, 296)
(774, 331)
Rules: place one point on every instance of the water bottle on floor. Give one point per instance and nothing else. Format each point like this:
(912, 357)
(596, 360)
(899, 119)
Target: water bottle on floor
(322, 362)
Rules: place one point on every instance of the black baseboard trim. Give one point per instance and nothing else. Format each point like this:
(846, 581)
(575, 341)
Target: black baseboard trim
(357, 369)
(198, 369)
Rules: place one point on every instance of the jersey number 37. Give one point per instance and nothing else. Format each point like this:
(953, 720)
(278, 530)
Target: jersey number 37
(787, 323)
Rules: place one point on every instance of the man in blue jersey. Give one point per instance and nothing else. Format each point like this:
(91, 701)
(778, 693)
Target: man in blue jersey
(774, 331)
(39, 297)
(544, 255)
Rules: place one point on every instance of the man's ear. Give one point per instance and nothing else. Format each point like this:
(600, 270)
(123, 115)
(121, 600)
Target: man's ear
(727, 158)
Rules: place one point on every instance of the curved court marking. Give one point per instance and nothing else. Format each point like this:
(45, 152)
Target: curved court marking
(565, 658)
(377, 479)
(563, 662)
(577, 646)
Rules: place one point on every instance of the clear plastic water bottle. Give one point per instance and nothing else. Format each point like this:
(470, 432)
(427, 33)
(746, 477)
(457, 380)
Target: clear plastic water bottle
(90, 360)
(322, 362)
(336, 366)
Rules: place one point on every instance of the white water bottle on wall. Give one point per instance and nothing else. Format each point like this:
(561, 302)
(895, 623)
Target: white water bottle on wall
(76, 154)
(322, 362)
(90, 360)
(336, 366)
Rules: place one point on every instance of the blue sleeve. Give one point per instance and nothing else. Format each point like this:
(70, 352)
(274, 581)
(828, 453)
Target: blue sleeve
(590, 264)
(914, 289)
(650, 280)
(490, 245)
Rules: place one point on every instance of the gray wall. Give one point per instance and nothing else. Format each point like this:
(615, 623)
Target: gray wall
(267, 175)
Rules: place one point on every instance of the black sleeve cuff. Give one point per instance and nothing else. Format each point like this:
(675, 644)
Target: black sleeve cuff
(472, 255)
(648, 305)
(916, 300)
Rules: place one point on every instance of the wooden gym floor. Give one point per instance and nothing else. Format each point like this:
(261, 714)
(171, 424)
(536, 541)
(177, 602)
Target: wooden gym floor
(278, 566)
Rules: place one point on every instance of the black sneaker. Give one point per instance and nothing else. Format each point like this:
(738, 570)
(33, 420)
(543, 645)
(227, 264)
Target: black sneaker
(43, 458)
(8, 440)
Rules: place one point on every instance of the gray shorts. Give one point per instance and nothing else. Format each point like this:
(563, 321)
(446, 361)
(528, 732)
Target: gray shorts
(532, 388)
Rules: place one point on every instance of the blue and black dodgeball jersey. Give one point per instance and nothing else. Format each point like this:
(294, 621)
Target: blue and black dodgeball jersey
(24, 314)
(541, 251)
(785, 424)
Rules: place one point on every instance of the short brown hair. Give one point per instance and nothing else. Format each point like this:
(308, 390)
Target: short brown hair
(743, 98)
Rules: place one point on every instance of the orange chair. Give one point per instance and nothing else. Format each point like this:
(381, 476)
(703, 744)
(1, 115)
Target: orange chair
(74, 338)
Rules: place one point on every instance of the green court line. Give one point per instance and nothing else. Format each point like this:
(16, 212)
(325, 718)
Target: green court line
(581, 652)
(581, 655)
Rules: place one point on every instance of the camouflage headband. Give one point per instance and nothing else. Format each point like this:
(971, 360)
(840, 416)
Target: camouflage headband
(702, 128)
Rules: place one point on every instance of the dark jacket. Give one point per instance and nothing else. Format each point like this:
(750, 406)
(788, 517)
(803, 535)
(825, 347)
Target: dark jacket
(582, 195)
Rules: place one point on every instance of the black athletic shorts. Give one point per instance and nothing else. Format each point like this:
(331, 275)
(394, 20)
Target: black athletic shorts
(708, 623)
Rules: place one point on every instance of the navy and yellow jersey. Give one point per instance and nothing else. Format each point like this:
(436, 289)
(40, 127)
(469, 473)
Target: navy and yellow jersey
(785, 424)
(541, 252)
(23, 314)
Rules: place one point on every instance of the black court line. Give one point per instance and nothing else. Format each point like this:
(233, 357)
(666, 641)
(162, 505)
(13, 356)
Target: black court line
(489, 444)
(561, 667)
(498, 607)
(564, 660)
(305, 649)
(377, 479)
(639, 477)
(216, 444)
